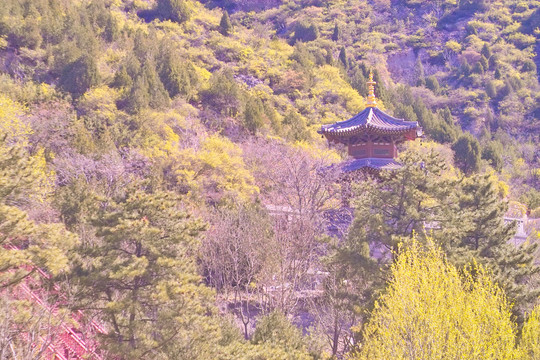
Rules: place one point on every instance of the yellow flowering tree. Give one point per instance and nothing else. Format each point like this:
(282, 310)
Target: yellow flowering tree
(530, 336)
(433, 311)
(216, 170)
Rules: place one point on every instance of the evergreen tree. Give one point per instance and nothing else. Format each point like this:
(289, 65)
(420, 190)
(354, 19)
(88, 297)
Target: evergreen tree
(419, 73)
(24, 243)
(492, 152)
(296, 126)
(494, 62)
(465, 68)
(80, 76)
(380, 90)
(122, 80)
(138, 98)
(225, 26)
(484, 62)
(305, 32)
(175, 10)
(336, 35)
(223, 93)
(141, 275)
(253, 114)
(433, 84)
(358, 80)
(491, 90)
(178, 75)
(343, 58)
(474, 228)
(467, 153)
(468, 214)
(486, 51)
(478, 68)
(159, 97)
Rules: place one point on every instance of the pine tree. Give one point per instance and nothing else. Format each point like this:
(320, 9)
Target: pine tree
(419, 73)
(24, 243)
(253, 114)
(478, 68)
(492, 152)
(491, 90)
(484, 62)
(343, 58)
(225, 26)
(468, 213)
(336, 35)
(178, 75)
(467, 153)
(80, 75)
(433, 84)
(122, 80)
(474, 227)
(158, 96)
(486, 51)
(140, 274)
(175, 10)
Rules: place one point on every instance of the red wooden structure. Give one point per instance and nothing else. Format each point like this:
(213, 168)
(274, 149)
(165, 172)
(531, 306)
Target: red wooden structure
(73, 338)
(371, 136)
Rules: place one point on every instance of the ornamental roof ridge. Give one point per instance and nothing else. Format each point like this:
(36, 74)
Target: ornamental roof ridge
(370, 117)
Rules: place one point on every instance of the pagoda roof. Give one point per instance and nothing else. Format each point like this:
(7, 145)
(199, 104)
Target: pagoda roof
(371, 118)
(370, 163)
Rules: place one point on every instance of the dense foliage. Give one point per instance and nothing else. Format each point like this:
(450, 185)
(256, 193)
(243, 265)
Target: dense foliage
(159, 162)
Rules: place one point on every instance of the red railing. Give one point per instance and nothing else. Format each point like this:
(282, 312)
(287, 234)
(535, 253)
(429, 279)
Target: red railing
(68, 344)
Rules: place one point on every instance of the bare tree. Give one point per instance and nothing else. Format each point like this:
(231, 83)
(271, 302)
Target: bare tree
(237, 257)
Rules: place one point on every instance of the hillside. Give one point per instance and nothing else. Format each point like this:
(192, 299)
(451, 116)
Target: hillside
(161, 161)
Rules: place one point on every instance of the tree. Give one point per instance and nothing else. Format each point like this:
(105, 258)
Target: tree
(141, 276)
(433, 84)
(122, 80)
(530, 335)
(467, 153)
(296, 126)
(432, 310)
(305, 32)
(175, 10)
(484, 62)
(343, 58)
(401, 203)
(276, 329)
(336, 35)
(486, 51)
(26, 245)
(178, 75)
(239, 258)
(419, 73)
(492, 152)
(491, 89)
(223, 93)
(478, 68)
(253, 114)
(225, 26)
(147, 90)
(465, 214)
(215, 172)
(474, 228)
(80, 75)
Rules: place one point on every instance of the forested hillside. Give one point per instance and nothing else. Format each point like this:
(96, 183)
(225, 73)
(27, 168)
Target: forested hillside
(160, 165)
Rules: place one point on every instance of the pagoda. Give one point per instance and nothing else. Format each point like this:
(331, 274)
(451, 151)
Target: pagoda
(371, 136)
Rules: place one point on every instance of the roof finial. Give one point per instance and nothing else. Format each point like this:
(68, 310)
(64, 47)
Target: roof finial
(371, 100)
